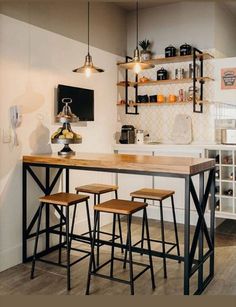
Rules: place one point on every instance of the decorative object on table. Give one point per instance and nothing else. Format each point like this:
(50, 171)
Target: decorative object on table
(136, 64)
(185, 49)
(179, 73)
(142, 98)
(144, 79)
(160, 98)
(172, 98)
(127, 134)
(231, 176)
(88, 68)
(191, 71)
(146, 53)
(64, 135)
(170, 51)
(153, 98)
(162, 74)
(190, 93)
(182, 129)
(217, 174)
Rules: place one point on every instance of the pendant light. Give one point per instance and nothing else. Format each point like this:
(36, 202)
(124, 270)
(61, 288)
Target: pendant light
(88, 67)
(137, 64)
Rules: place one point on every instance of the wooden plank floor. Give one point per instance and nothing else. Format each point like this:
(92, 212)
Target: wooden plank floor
(51, 280)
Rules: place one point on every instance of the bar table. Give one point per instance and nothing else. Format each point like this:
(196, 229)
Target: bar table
(164, 166)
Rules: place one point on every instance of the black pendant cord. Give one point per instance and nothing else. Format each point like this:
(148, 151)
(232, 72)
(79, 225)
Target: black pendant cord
(88, 26)
(137, 24)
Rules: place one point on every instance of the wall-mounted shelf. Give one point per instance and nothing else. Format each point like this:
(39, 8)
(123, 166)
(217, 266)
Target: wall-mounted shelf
(153, 104)
(163, 82)
(177, 59)
(196, 56)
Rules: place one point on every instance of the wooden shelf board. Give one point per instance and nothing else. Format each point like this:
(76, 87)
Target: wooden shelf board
(149, 104)
(163, 82)
(177, 59)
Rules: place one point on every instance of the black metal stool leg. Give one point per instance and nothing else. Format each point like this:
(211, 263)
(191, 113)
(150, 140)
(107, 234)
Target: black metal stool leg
(113, 246)
(143, 228)
(60, 237)
(175, 226)
(73, 223)
(149, 248)
(92, 258)
(130, 256)
(163, 239)
(98, 236)
(119, 223)
(36, 240)
(89, 227)
(126, 252)
(68, 247)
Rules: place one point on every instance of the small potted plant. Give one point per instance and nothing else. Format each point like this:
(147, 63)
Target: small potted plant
(146, 54)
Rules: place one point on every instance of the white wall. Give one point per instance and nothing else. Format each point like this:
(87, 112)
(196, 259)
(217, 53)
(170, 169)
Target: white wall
(190, 22)
(32, 85)
(225, 31)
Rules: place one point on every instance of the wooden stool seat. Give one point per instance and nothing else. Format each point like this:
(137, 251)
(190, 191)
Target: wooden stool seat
(119, 206)
(152, 194)
(63, 199)
(96, 188)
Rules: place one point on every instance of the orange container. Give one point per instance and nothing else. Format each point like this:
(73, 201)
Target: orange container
(160, 98)
(172, 98)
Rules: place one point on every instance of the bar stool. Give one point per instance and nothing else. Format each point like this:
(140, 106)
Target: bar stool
(60, 201)
(97, 190)
(127, 208)
(159, 195)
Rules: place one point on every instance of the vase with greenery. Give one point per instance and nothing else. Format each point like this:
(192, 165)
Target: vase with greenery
(146, 53)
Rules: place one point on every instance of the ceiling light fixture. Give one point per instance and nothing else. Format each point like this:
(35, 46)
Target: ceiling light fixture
(137, 64)
(88, 67)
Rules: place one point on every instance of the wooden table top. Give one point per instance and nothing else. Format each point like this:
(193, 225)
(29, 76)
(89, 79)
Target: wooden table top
(127, 163)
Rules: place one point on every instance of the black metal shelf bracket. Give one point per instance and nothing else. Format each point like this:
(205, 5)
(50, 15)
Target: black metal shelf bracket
(197, 106)
(127, 106)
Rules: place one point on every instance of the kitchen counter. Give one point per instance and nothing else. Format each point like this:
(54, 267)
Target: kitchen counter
(153, 147)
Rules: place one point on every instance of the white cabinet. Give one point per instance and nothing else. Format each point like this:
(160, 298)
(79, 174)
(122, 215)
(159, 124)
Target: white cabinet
(225, 181)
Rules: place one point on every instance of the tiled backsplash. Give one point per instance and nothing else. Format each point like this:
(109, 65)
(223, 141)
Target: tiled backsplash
(158, 120)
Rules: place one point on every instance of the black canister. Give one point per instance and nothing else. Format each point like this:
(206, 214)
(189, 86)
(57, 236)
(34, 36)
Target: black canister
(162, 74)
(170, 51)
(185, 49)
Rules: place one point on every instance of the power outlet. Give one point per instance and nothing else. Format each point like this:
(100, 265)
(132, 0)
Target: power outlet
(6, 136)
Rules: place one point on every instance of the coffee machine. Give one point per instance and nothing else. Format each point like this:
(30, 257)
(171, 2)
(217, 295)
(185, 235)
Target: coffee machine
(127, 134)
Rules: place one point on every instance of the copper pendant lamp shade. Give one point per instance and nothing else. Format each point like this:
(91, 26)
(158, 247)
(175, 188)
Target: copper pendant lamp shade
(88, 68)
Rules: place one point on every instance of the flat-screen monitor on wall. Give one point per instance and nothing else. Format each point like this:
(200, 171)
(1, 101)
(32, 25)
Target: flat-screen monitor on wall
(82, 101)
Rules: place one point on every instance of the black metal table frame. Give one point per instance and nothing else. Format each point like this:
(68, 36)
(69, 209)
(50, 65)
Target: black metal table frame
(192, 264)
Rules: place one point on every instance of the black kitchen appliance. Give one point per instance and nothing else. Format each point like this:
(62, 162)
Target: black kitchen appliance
(185, 49)
(142, 98)
(127, 134)
(162, 74)
(170, 51)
